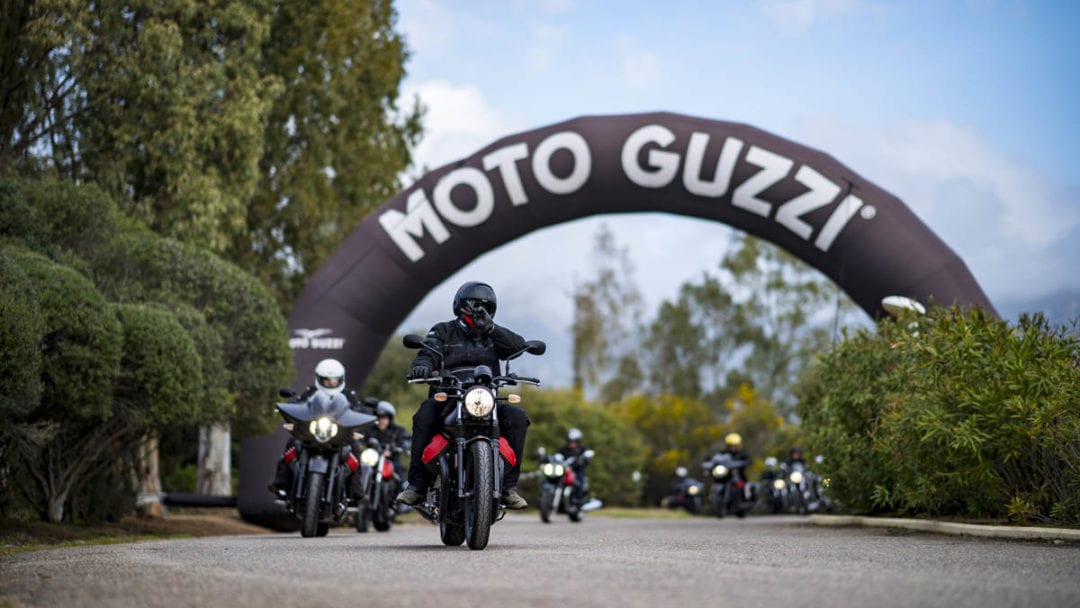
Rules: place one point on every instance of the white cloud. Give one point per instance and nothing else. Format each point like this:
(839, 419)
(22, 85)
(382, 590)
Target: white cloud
(458, 122)
(1007, 221)
(801, 15)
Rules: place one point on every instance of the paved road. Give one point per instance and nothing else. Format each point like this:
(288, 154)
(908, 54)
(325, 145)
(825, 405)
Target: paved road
(601, 562)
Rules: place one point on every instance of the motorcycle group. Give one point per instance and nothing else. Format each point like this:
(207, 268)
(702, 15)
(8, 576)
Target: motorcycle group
(467, 436)
(788, 487)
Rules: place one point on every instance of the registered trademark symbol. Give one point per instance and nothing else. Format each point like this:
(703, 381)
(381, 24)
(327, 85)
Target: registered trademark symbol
(868, 212)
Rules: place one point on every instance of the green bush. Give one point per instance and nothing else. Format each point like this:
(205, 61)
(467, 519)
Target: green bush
(955, 413)
(21, 330)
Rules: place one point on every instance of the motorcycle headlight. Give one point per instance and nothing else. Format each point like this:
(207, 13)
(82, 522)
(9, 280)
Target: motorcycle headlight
(693, 490)
(548, 470)
(559, 470)
(719, 470)
(323, 429)
(479, 401)
(796, 477)
(778, 484)
(369, 457)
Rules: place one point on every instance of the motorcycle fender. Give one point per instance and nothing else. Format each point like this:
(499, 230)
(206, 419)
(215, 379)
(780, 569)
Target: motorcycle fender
(318, 464)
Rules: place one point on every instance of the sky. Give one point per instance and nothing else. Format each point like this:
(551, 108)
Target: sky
(965, 110)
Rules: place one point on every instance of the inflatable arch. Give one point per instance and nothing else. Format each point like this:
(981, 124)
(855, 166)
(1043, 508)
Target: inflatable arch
(863, 238)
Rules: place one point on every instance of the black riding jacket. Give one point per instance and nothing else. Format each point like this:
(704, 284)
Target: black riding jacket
(461, 348)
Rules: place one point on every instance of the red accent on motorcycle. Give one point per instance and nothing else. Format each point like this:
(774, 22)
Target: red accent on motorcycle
(569, 478)
(387, 469)
(352, 462)
(740, 483)
(506, 451)
(437, 444)
(289, 456)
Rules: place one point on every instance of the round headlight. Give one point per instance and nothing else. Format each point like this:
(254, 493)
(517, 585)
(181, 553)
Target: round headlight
(559, 470)
(370, 457)
(479, 401)
(323, 429)
(719, 470)
(693, 490)
(548, 470)
(796, 477)
(778, 484)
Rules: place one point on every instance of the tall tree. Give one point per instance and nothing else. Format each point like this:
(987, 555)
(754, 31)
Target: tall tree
(336, 140)
(607, 312)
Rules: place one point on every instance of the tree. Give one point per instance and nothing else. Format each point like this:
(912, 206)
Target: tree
(336, 141)
(607, 309)
(760, 321)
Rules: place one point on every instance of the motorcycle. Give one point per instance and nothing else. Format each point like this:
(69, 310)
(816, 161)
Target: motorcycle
(324, 427)
(557, 490)
(727, 494)
(468, 455)
(379, 483)
(687, 494)
(800, 482)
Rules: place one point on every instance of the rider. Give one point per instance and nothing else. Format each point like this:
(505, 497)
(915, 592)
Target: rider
(574, 449)
(392, 436)
(471, 338)
(330, 379)
(795, 456)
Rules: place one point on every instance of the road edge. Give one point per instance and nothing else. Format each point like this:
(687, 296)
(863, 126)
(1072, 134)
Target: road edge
(943, 527)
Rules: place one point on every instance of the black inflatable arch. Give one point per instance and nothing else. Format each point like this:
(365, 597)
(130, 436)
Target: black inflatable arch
(865, 239)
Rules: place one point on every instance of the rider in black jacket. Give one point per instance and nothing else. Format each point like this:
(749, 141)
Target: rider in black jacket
(575, 449)
(471, 339)
(391, 435)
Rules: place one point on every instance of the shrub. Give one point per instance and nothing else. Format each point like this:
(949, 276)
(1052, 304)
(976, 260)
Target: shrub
(955, 413)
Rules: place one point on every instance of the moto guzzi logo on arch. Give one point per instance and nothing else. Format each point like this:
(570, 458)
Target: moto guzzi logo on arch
(316, 339)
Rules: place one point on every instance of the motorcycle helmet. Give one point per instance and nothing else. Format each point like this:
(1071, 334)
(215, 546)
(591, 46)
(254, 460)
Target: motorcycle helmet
(771, 462)
(680, 472)
(330, 376)
(574, 435)
(385, 408)
(473, 295)
(733, 440)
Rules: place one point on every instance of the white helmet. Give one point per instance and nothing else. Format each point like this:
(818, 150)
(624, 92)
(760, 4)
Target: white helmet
(680, 472)
(574, 435)
(330, 376)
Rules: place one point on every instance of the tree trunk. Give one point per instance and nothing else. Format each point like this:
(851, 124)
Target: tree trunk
(56, 507)
(148, 479)
(215, 461)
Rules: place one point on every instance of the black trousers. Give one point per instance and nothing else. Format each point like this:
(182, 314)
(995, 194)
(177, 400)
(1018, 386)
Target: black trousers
(513, 424)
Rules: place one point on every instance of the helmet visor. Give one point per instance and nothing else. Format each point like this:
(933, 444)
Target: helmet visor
(476, 304)
(329, 381)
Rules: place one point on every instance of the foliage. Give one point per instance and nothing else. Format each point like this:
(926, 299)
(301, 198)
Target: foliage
(676, 431)
(21, 332)
(955, 413)
(336, 141)
(606, 315)
(620, 450)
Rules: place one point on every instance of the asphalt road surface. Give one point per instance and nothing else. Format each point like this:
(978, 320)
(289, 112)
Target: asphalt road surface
(762, 561)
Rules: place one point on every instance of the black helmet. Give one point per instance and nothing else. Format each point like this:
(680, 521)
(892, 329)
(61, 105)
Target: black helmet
(385, 408)
(474, 293)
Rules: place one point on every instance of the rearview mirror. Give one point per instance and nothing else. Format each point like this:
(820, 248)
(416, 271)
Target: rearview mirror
(412, 341)
(288, 393)
(589, 453)
(535, 347)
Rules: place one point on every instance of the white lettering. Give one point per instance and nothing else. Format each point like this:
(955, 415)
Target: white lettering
(725, 167)
(836, 222)
(421, 217)
(541, 163)
(485, 197)
(664, 164)
(821, 193)
(505, 160)
(773, 169)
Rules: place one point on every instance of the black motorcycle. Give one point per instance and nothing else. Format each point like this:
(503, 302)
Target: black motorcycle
(468, 455)
(800, 487)
(324, 427)
(687, 494)
(727, 495)
(560, 490)
(379, 482)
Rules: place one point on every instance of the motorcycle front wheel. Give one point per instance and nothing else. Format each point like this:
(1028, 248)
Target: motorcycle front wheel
(479, 507)
(309, 521)
(361, 518)
(451, 528)
(381, 517)
(547, 497)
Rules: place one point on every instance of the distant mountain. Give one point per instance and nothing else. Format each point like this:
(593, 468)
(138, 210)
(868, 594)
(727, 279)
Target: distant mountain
(1061, 308)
